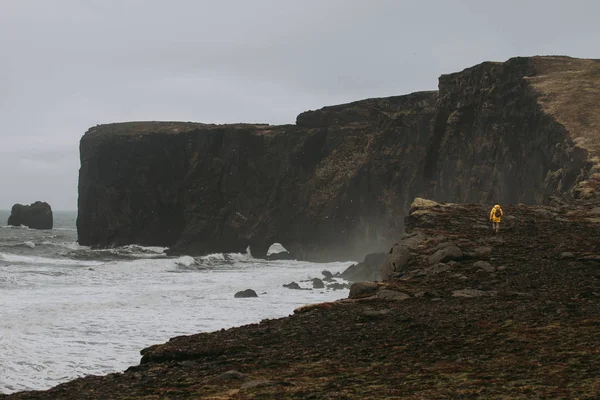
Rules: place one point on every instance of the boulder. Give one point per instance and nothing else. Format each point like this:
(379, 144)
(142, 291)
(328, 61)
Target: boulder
(35, 216)
(292, 285)
(368, 270)
(317, 283)
(327, 275)
(485, 266)
(401, 256)
(449, 253)
(246, 293)
(337, 286)
(363, 289)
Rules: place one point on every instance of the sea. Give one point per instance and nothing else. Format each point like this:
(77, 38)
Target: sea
(67, 311)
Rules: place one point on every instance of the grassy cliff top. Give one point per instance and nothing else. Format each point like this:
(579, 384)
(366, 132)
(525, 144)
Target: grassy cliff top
(569, 90)
(163, 127)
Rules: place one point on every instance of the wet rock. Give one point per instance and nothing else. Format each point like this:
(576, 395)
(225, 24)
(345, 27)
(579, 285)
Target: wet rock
(37, 215)
(368, 270)
(245, 294)
(284, 255)
(567, 255)
(327, 275)
(337, 286)
(292, 285)
(317, 283)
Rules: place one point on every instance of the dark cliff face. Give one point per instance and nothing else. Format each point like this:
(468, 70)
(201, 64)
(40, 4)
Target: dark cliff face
(338, 179)
(492, 142)
(337, 184)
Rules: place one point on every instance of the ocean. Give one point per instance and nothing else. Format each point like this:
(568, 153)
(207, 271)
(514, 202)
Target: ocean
(67, 311)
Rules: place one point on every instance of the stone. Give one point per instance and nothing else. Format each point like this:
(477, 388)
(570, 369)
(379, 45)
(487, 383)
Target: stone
(482, 252)
(327, 275)
(438, 268)
(317, 283)
(368, 270)
(484, 265)
(446, 254)
(292, 285)
(363, 289)
(567, 255)
(337, 286)
(245, 294)
(37, 215)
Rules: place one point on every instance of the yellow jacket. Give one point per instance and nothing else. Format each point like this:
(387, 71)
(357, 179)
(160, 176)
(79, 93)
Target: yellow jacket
(493, 217)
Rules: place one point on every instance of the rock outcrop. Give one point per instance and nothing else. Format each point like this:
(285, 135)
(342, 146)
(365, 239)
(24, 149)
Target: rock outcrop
(337, 184)
(367, 270)
(245, 294)
(37, 215)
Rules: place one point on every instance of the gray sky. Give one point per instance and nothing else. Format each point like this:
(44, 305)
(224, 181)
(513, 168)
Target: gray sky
(66, 65)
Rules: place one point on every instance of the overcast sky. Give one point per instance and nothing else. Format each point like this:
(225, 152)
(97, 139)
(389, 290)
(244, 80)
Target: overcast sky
(66, 65)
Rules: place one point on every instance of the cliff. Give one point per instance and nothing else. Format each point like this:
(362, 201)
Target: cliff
(337, 184)
(513, 315)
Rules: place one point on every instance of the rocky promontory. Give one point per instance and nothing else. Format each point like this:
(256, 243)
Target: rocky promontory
(37, 215)
(337, 184)
(512, 315)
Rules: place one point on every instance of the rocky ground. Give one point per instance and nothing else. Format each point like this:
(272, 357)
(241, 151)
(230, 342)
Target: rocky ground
(464, 314)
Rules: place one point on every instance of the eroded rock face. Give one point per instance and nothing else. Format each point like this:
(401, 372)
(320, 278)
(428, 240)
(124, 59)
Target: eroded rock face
(37, 215)
(337, 184)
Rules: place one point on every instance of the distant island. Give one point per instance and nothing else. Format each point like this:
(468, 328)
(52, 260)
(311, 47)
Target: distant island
(37, 215)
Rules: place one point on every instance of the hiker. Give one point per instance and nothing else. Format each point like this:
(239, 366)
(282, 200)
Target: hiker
(495, 216)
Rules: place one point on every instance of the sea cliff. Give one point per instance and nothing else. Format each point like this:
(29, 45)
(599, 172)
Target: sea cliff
(337, 184)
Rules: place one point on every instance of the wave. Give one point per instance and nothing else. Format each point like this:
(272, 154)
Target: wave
(19, 259)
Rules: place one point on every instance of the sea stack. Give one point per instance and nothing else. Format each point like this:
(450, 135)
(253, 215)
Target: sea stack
(36, 216)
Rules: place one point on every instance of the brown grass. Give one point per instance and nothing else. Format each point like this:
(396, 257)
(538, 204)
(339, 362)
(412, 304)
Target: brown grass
(569, 90)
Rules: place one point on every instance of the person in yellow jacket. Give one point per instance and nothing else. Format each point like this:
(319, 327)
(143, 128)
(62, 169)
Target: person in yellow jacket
(495, 217)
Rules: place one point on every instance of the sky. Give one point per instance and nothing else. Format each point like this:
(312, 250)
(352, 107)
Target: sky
(67, 65)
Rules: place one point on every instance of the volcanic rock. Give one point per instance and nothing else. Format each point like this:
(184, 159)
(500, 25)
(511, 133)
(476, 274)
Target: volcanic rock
(246, 293)
(368, 270)
(37, 215)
